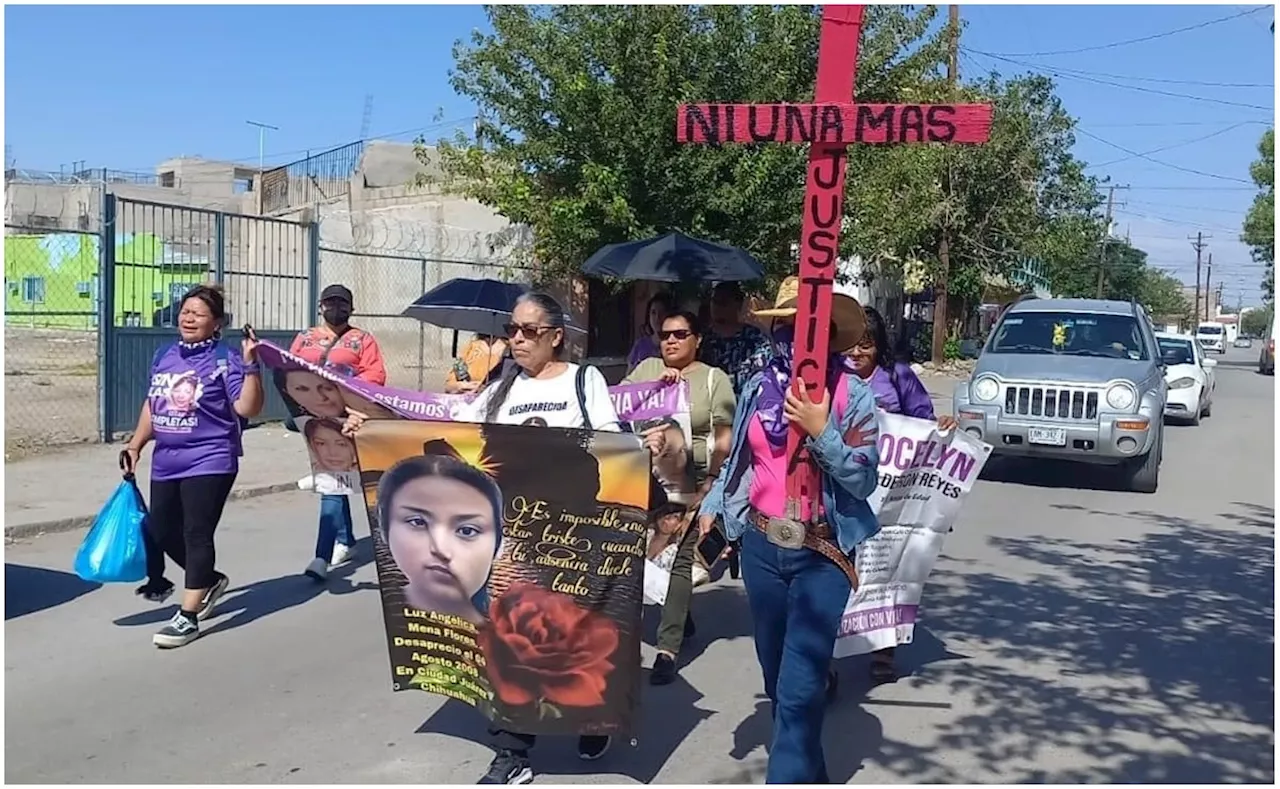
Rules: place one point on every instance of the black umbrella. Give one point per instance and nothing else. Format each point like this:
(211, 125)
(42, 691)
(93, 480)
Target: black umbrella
(674, 257)
(480, 306)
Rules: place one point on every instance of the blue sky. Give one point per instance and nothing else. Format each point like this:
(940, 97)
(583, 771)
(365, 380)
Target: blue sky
(124, 87)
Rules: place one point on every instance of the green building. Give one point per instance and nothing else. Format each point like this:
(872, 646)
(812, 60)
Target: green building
(51, 280)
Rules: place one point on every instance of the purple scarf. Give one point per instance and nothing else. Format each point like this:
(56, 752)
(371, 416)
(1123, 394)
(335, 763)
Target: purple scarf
(777, 379)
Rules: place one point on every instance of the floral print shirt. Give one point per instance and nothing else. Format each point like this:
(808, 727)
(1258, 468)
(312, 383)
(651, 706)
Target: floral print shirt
(741, 356)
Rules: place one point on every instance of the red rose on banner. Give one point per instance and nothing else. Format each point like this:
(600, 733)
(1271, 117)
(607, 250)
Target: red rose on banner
(542, 646)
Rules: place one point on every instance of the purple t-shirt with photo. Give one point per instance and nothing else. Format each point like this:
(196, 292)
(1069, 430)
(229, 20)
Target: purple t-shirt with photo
(195, 426)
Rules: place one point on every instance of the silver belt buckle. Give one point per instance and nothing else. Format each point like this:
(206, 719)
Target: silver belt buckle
(785, 533)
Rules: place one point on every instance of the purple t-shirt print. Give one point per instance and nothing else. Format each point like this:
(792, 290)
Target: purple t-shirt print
(192, 393)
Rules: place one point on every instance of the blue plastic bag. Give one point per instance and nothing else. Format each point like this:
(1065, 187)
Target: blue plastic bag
(114, 550)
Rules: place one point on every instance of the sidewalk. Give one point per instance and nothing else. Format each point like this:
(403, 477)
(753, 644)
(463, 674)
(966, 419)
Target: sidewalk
(64, 489)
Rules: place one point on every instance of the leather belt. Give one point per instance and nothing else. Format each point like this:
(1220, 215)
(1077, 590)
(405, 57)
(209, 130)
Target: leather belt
(817, 537)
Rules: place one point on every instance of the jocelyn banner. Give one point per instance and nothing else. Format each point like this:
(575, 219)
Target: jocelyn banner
(924, 478)
(509, 562)
(318, 400)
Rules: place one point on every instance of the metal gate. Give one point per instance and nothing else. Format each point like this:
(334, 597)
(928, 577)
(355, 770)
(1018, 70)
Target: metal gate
(156, 253)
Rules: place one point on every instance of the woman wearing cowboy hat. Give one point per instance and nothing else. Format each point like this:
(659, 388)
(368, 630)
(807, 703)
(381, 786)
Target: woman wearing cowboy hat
(796, 562)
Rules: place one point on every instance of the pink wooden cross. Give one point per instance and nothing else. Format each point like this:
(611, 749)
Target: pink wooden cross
(828, 125)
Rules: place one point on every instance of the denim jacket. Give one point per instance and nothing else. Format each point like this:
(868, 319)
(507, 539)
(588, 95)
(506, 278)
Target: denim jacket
(849, 475)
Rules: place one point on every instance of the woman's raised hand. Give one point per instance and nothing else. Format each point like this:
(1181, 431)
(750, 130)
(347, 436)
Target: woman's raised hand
(655, 439)
(945, 423)
(671, 375)
(355, 420)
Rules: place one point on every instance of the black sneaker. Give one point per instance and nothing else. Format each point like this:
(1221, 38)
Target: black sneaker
(593, 746)
(181, 630)
(211, 597)
(508, 767)
(155, 591)
(664, 670)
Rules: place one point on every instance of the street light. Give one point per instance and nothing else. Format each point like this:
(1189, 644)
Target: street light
(262, 130)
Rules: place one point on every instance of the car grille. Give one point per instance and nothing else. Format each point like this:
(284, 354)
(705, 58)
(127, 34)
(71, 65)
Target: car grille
(1051, 402)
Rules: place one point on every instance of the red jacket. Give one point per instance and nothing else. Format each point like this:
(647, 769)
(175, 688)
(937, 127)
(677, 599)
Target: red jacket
(356, 354)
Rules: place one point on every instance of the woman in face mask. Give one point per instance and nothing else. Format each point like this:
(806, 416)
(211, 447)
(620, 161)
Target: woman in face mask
(348, 351)
(796, 552)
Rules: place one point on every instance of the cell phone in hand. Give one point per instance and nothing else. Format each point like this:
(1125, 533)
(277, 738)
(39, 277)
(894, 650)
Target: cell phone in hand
(711, 546)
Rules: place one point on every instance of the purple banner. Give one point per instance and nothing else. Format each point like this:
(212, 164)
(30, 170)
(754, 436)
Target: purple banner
(877, 619)
(315, 391)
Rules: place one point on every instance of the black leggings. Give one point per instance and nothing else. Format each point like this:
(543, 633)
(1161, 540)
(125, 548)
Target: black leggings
(184, 514)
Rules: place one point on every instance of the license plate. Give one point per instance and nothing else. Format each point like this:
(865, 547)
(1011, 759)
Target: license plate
(1049, 436)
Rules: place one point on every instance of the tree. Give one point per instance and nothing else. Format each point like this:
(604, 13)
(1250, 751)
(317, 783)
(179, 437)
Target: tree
(1163, 296)
(578, 108)
(1259, 224)
(1023, 195)
(1256, 322)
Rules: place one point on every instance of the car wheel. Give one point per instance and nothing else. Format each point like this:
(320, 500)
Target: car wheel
(1144, 472)
(1194, 419)
(1208, 410)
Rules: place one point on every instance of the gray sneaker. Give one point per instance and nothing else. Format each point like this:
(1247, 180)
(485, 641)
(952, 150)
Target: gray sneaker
(211, 597)
(180, 631)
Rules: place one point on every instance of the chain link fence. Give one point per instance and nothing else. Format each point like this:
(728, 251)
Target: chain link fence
(389, 259)
(51, 337)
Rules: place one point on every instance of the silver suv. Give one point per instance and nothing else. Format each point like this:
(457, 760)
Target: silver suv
(1071, 379)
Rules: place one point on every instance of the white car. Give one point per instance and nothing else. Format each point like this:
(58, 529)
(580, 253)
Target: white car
(1212, 336)
(1190, 377)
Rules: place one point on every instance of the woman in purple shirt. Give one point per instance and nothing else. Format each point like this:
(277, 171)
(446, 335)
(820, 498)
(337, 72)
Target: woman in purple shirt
(197, 394)
(898, 390)
(646, 347)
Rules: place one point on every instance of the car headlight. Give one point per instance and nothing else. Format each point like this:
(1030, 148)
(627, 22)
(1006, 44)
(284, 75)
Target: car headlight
(1121, 397)
(1181, 383)
(985, 389)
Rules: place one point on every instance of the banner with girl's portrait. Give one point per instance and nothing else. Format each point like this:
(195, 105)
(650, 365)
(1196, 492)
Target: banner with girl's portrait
(509, 558)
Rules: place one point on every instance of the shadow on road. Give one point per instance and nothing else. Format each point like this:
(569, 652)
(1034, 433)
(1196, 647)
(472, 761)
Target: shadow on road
(30, 589)
(1164, 646)
(720, 612)
(251, 602)
(1055, 474)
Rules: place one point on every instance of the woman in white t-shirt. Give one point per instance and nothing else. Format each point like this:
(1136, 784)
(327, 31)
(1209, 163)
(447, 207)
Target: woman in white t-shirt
(544, 390)
(541, 388)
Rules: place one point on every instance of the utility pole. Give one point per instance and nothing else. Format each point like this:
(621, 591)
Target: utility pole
(1106, 237)
(262, 129)
(1219, 310)
(940, 291)
(1198, 245)
(1208, 278)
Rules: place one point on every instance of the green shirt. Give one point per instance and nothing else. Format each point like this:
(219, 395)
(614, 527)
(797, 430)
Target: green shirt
(711, 403)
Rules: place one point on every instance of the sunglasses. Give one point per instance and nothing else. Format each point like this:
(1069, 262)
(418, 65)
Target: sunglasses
(679, 334)
(530, 331)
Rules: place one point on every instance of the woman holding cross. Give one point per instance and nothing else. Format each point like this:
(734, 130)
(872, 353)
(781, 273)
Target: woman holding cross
(796, 563)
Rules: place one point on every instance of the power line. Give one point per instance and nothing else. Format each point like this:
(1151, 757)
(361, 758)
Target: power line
(1139, 40)
(1171, 146)
(1064, 74)
(1140, 155)
(1197, 188)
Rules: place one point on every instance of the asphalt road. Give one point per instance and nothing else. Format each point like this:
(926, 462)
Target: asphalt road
(1071, 634)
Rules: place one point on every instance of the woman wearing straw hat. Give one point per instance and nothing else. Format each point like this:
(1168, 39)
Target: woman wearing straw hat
(796, 562)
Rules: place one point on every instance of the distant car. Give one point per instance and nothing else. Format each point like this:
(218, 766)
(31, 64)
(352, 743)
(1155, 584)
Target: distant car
(1243, 342)
(1190, 377)
(1212, 336)
(1071, 379)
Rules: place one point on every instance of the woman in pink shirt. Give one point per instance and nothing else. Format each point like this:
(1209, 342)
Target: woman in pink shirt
(796, 554)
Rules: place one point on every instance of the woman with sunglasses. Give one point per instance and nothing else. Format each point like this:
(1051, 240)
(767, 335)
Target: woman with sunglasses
(544, 390)
(711, 404)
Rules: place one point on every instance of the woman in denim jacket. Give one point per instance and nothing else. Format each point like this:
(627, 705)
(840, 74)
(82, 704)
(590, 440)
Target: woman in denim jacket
(798, 592)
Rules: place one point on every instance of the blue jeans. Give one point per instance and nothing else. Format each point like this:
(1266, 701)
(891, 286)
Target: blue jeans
(797, 598)
(335, 526)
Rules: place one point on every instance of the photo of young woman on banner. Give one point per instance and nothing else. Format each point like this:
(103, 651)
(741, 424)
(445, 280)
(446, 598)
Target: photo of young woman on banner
(506, 587)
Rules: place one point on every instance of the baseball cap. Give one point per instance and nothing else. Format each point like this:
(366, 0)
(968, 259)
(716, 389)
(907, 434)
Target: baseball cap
(337, 292)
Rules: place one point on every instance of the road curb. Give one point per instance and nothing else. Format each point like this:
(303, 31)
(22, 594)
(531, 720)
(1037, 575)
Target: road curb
(25, 530)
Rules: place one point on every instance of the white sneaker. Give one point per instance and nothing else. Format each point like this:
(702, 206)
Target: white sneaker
(317, 569)
(341, 553)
